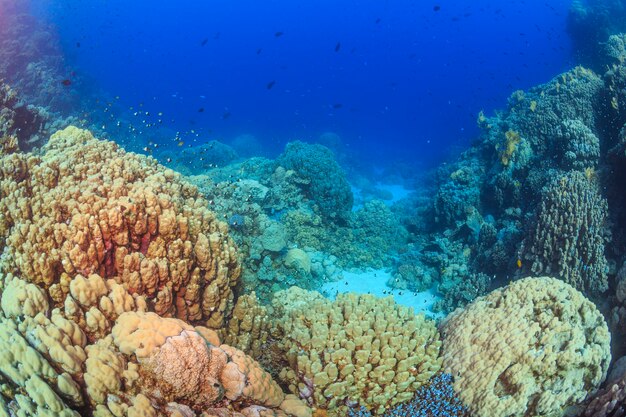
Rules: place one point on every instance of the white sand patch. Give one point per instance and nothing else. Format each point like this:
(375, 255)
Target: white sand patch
(397, 191)
(374, 281)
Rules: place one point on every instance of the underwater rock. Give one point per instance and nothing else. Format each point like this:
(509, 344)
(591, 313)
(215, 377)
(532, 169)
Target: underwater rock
(21, 127)
(533, 348)
(105, 252)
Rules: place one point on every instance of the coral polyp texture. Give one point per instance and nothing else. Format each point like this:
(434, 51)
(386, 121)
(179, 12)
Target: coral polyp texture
(569, 235)
(533, 348)
(85, 211)
(114, 281)
(356, 350)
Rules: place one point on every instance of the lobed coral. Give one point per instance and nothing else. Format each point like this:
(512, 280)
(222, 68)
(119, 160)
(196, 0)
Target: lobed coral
(532, 348)
(21, 127)
(103, 250)
(356, 350)
(85, 211)
(568, 236)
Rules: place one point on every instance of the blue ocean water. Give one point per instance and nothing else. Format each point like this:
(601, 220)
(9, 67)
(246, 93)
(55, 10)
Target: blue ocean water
(490, 282)
(397, 81)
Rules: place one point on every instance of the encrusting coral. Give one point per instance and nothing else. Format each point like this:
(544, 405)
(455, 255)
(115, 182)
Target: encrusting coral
(356, 350)
(532, 348)
(106, 254)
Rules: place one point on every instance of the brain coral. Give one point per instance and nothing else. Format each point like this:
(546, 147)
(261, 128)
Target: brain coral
(532, 348)
(568, 236)
(357, 350)
(85, 211)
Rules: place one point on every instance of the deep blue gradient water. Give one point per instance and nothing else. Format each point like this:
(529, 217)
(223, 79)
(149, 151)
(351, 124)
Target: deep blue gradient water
(397, 80)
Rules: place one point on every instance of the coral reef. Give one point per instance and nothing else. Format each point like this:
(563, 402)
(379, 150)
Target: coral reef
(85, 208)
(21, 127)
(608, 402)
(109, 261)
(356, 350)
(436, 399)
(567, 239)
(532, 348)
(324, 181)
(31, 59)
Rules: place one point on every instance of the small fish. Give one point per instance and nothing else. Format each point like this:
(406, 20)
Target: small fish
(204, 41)
(337, 106)
(78, 44)
(278, 34)
(226, 115)
(338, 47)
(201, 110)
(181, 143)
(258, 51)
(519, 263)
(377, 20)
(270, 84)
(436, 8)
(66, 82)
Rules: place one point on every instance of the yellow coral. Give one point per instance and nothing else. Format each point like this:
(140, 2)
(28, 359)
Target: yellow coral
(532, 348)
(512, 140)
(90, 211)
(94, 238)
(358, 349)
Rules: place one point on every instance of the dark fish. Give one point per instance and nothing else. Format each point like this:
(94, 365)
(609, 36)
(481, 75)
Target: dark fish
(226, 115)
(78, 44)
(436, 8)
(338, 47)
(258, 51)
(337, 106)
(66, 82)
(278, 34)
(270, 84)
(377, 21)
(201, 110)
(204, 41)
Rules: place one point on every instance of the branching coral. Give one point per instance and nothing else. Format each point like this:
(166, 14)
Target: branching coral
(532, 348)
(355, 350)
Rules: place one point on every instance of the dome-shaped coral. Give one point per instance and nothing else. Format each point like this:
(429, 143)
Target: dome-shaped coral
(100, 245)
(532, 348)
(358, 349)
(86, 211)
